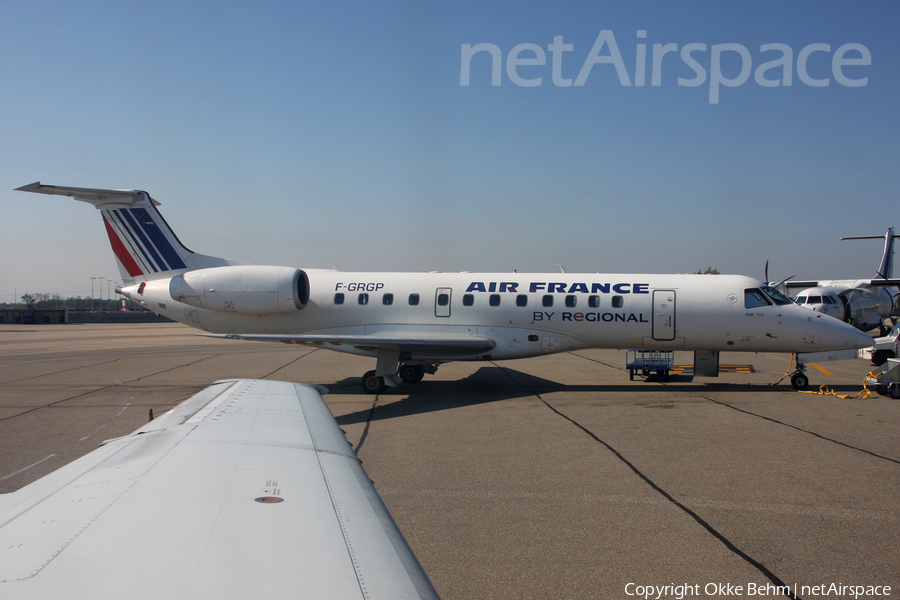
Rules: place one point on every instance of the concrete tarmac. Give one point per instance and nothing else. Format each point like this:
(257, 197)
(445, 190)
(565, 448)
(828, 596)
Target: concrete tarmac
(552, 477)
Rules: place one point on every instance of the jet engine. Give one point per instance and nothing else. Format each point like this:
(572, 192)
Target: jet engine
(243, 289)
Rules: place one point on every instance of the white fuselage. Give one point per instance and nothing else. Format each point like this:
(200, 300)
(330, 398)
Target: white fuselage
(526, 314)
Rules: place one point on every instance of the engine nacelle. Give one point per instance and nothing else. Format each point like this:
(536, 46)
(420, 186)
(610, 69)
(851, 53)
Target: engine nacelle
(243, 289)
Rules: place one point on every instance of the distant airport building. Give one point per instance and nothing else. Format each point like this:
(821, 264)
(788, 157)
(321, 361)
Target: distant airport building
(33, 316)
(48, 316)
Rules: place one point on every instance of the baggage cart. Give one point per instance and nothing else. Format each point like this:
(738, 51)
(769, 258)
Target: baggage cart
(647, 361)
(886, 380)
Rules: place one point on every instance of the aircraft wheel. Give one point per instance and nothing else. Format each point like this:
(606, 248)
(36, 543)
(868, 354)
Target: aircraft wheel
(879, 357)
(412, 373)
(800, 381)
(895, 391)
(372, 384)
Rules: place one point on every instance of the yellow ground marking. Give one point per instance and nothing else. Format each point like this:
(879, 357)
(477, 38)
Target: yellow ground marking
(689, 369)
(821, 369)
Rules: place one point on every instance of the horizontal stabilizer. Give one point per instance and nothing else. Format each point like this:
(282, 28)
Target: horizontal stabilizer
(102, 199)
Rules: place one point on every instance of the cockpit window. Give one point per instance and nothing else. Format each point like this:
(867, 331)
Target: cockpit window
(814, 300)
(777, 297)
(801, 299)
(754, 298)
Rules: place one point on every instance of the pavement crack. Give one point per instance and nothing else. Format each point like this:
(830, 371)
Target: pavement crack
(105, 387)
(286, 365)
(697, 518)
(365, 432)
(800, 429)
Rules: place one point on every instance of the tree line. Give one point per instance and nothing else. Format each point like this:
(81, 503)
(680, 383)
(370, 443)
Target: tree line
(56, 301)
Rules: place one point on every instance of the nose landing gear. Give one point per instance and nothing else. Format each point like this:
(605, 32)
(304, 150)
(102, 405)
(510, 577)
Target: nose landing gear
(799, 380)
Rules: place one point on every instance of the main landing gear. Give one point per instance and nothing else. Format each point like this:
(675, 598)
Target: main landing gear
(408, 373)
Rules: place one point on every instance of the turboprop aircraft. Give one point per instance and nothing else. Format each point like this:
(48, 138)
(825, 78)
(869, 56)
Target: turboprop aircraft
(864, 303)
(411, 322)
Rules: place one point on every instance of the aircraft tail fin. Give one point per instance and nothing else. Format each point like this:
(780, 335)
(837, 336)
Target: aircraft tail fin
(886, 269)
(145, 246)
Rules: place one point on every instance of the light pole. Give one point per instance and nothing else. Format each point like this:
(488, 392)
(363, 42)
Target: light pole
(110, 282)
(92, 291)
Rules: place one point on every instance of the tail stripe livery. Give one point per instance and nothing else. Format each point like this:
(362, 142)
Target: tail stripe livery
(887, 261)
(146, 239)
(122, 252)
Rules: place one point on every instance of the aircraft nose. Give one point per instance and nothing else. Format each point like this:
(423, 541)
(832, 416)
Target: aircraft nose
(840, 335)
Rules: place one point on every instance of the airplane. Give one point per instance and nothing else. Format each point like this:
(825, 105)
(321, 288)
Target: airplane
(248, 489)
(412, 322)
(864, 303)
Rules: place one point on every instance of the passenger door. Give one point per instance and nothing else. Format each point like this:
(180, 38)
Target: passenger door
(663, 315)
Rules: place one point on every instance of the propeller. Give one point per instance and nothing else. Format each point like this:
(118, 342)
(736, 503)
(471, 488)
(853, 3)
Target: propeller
(780, 283)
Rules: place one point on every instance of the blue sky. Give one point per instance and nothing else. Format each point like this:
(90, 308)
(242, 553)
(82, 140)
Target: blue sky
(338, 134)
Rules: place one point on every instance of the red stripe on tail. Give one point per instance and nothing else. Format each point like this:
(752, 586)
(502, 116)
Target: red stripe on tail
(122, 253)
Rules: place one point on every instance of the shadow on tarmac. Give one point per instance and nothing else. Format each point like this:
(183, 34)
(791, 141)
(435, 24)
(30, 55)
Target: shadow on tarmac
(496, 384)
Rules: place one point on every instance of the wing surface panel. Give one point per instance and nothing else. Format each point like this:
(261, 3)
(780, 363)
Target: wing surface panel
(249, 491)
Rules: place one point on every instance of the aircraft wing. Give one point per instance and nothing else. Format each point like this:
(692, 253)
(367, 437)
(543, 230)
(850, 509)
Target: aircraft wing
(434, 344)
(856, 283)
(246, 490)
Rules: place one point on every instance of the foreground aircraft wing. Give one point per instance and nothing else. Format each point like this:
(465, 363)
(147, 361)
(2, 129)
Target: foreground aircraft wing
(425, 344)
(246, 490)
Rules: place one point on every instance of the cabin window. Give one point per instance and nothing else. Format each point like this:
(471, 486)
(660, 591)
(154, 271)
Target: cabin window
(594, 301)
(443, 299)
(363, 298)
(494, 300)
(521, 300)
(754, 298)
(339, 298)
(618, 301)
(547, 301)
(571, 301)
(387, 299)
(413, 299)
(468, 299)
